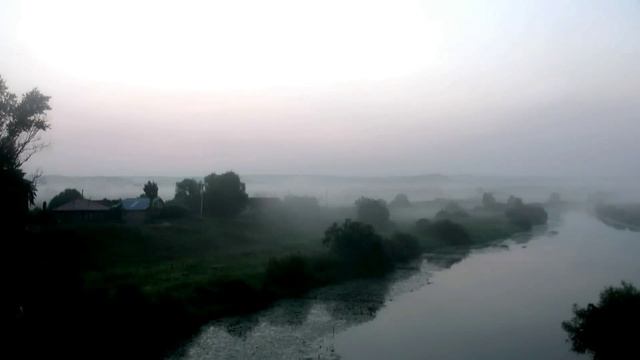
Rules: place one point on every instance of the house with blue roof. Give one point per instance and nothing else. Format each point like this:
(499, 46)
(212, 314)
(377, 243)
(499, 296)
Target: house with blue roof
(137, 210)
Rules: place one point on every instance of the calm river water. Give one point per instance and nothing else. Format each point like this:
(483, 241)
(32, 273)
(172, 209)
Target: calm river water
(502, 302)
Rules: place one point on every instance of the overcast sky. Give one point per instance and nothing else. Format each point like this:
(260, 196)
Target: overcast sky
(330, 87)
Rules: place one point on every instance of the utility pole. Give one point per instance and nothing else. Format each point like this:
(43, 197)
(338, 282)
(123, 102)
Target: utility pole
(201, 199)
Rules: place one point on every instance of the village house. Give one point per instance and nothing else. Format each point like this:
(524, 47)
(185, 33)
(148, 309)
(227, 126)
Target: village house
(82, 210)
(138, 210)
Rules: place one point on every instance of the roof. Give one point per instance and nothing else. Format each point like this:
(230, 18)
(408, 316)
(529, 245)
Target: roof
(81, 205)
(136, 204)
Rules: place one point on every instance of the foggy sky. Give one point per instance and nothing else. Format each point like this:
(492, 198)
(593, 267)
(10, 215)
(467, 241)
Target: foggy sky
(332, 87)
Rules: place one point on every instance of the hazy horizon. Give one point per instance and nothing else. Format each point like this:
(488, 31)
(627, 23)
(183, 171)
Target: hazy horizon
(369, 88)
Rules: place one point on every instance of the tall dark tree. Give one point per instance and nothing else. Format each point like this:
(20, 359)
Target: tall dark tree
(21, 122)
(188, 194)
(64, 197)
(22, 119)
(151, 190)
(224, 194)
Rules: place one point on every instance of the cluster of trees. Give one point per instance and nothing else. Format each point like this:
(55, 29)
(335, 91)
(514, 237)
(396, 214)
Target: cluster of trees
(524, 216)
(624, 215)
(67, 195)
(452, 211)
(355, 250)
(443, 231)
(608, 329)
(220, 195)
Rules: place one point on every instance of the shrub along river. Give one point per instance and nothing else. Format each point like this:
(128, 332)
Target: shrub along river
(505, 301)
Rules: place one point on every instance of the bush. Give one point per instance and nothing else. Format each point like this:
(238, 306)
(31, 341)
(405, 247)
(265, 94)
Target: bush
(526, 216)
(608, 330)
(402, 247)
(358, 246)
(452, 211)
(288, 276)
(450, 233)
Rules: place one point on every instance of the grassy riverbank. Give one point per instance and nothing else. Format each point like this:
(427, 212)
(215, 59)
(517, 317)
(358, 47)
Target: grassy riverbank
(147, 288)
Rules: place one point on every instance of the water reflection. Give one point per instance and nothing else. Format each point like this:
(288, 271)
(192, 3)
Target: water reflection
(305, 328)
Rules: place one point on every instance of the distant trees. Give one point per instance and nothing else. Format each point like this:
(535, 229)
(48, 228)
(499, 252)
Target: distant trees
(65, 196)
(608, 329)
(224, 194)
(489, 202)
(188, 194)
(450, 233)
(373, 212)
(514, 202)
(523, 215)
(400, 201)
(150, 190)
(452, 211)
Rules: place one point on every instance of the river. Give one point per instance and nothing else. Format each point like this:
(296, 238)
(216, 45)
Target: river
(505, 301)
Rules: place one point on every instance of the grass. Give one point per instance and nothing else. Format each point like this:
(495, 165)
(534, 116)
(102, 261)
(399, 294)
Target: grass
(165, 280)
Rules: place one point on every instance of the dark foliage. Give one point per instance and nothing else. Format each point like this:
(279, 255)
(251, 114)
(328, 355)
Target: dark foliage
(423, 226)
(21, 122)
(224, 195)
(64, 197)
(526, 216)
(372, 211)
(452, 211)
(450, 233)
(402, 247)
(170, 212)
(289, 276)
(188, 195)
(358, 246)
(151, 190)
(609, 329)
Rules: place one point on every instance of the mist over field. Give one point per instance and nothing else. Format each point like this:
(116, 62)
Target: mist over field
(337, 179)
(344, 190)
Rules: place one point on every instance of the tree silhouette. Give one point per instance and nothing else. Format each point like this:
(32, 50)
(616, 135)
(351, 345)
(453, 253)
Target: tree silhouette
(64, 197)
(21, 122)
(151, 190)
(609, 329)
(224, 195)
(188, 194)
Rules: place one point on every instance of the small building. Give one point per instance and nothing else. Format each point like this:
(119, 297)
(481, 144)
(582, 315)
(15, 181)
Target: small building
(138, 210)
(82, 210)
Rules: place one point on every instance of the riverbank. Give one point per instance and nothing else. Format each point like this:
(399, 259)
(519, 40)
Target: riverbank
(148, 288)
